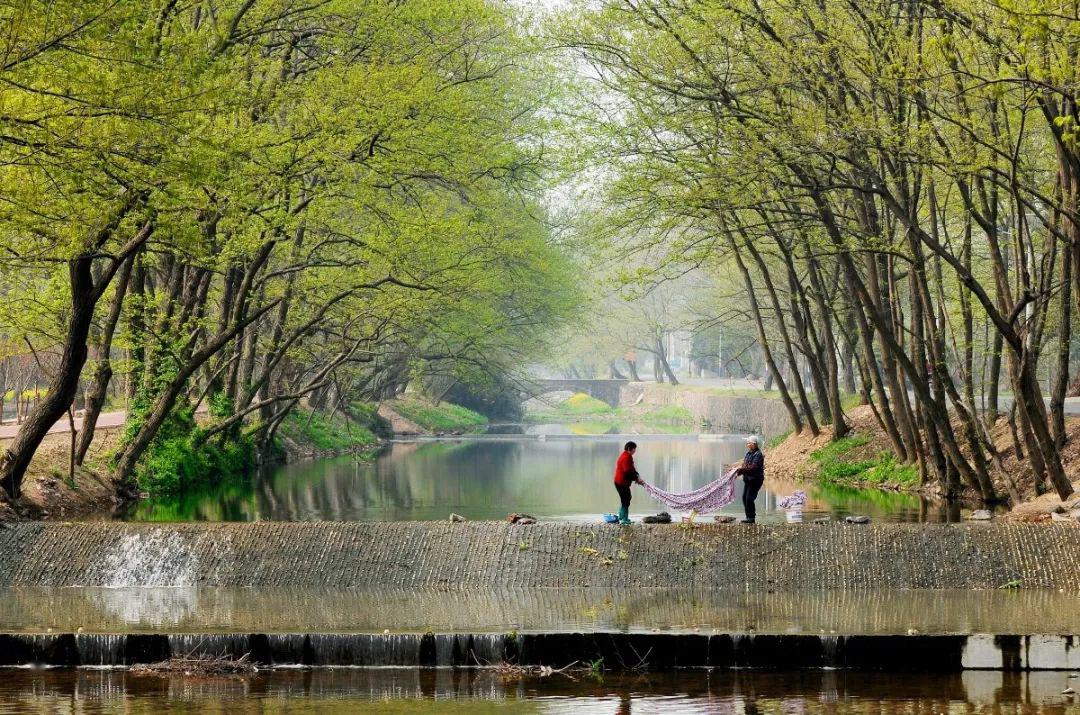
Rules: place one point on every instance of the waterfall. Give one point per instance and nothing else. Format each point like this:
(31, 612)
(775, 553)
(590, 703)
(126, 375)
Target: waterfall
(101, 649)
(155, 557)
(830, 650)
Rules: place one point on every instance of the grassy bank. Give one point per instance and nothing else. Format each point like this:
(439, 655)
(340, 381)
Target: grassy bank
(862, 459)
(845, 463)
(314, 433)
(441, 418)
(583, 408)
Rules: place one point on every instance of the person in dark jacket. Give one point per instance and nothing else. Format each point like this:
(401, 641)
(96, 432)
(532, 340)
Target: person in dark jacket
(752, 470)
(625, 475)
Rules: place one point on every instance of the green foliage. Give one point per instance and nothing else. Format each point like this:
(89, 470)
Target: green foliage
(835, 467)
(327, 434)
(220, 405)
(380, 168)
(443, 417)
(177, 464)
(583, 404)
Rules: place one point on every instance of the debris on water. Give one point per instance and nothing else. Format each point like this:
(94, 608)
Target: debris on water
(513, 671)
(823, 520)
(858, 519)
(913, 631)
(661, 518)
(198, 665)
(1068, 691)
(457, 518)
(724, 519)
(516, 518)
(981, 515)
(526, 520)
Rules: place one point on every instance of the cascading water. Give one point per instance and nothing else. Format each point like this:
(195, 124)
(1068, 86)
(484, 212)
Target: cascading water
(101, 649)
(147, 558)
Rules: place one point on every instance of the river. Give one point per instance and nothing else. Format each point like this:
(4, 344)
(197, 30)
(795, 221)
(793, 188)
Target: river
(389, 691)
(547, 471)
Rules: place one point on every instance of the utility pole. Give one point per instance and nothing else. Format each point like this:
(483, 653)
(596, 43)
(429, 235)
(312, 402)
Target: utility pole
(720, 354)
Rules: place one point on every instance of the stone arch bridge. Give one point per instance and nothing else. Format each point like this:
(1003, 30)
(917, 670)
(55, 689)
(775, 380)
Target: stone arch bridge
(604, 390)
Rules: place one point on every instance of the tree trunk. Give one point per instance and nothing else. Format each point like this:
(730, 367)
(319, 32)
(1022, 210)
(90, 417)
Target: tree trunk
(755, 311)
(661, 355)
(96, 394)
(64, 385)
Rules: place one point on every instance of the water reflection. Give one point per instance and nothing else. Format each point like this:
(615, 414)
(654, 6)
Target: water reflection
(556, 476)
(479, 691)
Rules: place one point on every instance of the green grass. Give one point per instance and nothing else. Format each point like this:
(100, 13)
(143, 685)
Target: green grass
(669, 413)
(850, 400)
(835, 466)
(777, 439)
(443, 417)
(327, 434)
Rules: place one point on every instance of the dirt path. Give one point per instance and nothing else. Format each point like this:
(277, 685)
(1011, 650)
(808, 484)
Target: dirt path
(105, 420)
(398, 424)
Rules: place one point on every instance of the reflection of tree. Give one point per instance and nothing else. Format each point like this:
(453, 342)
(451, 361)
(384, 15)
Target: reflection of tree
(481, 479)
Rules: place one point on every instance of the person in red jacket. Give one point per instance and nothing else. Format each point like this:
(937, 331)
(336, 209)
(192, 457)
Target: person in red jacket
(625, 475)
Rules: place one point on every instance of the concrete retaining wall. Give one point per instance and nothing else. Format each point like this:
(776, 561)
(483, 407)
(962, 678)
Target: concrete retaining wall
(735, 414)
(411, 554)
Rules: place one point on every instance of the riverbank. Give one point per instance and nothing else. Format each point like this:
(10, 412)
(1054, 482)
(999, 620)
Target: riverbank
(863, 459)
(413, 415)
(362, 430)
(50, 491)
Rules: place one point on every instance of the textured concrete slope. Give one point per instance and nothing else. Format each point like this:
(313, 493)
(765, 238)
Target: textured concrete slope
(410, 554)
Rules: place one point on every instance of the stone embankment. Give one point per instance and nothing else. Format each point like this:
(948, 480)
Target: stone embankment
(759, 415)
(415, 554)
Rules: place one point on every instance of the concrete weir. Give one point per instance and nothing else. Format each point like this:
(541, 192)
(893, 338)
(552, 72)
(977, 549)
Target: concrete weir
(879, 597)
(617, 651)
(440, 554)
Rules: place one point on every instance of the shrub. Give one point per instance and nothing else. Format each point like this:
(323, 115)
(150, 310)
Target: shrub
(582, 404)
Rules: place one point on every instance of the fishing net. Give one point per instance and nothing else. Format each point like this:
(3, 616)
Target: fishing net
(712, 497)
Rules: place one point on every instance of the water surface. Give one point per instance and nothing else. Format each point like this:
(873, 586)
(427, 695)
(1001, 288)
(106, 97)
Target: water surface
(555, 475)
(479, 691)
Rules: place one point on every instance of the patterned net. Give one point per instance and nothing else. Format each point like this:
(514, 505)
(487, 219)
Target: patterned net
(712, 497)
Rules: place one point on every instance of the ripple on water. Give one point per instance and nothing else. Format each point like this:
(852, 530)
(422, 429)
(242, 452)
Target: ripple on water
(475, 691)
